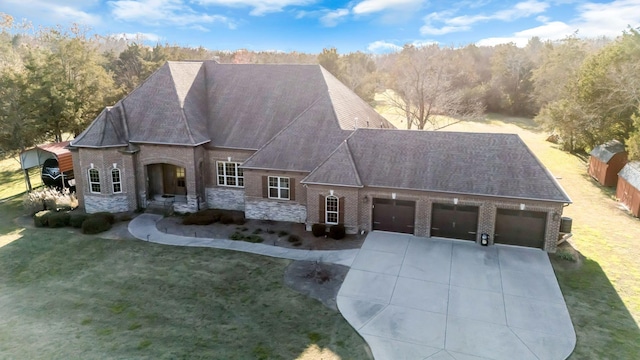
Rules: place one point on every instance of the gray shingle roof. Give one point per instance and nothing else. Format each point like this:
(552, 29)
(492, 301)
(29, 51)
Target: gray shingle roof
(338, 168)
(466, 163)
(107, 130)
(230, 105)
(606, 151)
(631, 174)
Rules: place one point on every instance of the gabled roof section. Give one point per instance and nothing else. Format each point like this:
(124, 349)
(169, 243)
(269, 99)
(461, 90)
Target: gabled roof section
(453, 162)
(606, 151)
(352, 112)
(169, 107)
(107, 130)
(249, 103)
(631, 174)
(304, 143)
(338, 168)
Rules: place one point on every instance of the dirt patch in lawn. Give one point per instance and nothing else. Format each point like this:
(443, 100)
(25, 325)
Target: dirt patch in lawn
(317, 280)
(275, 233)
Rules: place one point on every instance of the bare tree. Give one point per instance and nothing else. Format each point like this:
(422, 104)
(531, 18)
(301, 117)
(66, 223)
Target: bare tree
(423, 90)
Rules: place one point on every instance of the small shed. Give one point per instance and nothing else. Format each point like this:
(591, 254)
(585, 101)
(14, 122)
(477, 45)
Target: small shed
(41, 154)
(606, 161)
(628, 191)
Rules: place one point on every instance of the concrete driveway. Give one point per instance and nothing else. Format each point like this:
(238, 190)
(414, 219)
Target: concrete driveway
(418, 298)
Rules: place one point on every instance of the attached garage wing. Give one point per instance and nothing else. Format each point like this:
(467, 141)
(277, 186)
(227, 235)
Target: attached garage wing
(394, 215)
(454, 221)
(519, 227)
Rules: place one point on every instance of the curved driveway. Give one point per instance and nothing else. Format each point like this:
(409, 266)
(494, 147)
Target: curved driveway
(418, 298)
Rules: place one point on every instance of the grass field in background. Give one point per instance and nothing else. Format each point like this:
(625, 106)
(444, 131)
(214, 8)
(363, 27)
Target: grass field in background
(12, 181)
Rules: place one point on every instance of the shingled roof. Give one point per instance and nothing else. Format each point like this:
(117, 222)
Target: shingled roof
(453, 162)
(631, 174)
(236, 106)
(606, 151)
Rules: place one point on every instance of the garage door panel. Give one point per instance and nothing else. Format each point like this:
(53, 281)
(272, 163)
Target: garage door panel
(518, 227)
(394, 215)
(456, 222)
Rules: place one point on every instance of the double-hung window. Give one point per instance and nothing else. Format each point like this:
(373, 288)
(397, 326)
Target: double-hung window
(279, 187)
(230, 174)
(94, 181)
(331, 210)
(116, 181)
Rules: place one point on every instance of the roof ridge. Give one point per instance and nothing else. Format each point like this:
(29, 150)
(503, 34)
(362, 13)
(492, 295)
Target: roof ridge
(186, 123)
(344, 142)
(353, 163)
(93, 123)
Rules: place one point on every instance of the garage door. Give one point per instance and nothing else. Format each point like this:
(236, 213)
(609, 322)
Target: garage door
(394, 215)
(518, 227)
(454, 221)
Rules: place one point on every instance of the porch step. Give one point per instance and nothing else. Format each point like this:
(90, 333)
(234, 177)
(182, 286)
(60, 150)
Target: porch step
(159, 208)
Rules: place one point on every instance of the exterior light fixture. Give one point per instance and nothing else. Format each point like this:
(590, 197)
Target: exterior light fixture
(455, 201)
(115, 165)
(522, 206)
(393, 196)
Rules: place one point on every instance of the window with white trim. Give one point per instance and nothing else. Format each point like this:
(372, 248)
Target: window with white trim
(278, 187)
(116, 181)
(331, 209)
(230, 174)
(180, 177)
(94, 181)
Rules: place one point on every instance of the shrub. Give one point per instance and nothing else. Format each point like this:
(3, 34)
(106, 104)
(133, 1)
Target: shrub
(294, 238)
(107, 216)
(49, 199)
(41, 218)
(282, 233)
(95, 224)
(59, 219)
(226, 219)
(253, 238)
(257, 231)
(337, 231)
(239, 219)
(236, 236)
(319, 230)
(76, 219)
(565, 255)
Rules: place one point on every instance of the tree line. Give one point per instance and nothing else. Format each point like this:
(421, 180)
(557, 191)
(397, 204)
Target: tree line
(55, 81)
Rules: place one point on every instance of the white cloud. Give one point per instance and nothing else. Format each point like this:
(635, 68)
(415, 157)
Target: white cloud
(332, 18)
(371, 6)
(59, 11)
(383, 47)
(162, 12)
(588, 23)
(442, 23)
(260, 7)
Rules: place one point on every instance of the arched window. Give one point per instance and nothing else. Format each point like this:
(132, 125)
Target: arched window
(116, 181)
(331, 210)
(94, 181)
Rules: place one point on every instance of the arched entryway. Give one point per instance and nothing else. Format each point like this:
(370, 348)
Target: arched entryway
(166, 181)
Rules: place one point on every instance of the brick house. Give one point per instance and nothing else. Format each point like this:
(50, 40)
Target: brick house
(292, 143)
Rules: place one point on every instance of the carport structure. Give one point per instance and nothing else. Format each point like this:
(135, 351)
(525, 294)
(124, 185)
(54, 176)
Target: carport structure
(37, 156)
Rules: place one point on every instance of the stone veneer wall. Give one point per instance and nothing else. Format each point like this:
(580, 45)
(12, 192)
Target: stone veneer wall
(227, 198)
(263, 209)
(113, 204)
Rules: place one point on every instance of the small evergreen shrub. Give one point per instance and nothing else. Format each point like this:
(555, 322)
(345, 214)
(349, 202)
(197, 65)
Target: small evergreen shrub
(319, 230)
(95, 224)
(236, 236)
(294, 238)
(337, 231)
(76, 219)
(59, 219)
(257, 231)
(41, 218)
(282, 233)
(107, 216)
(226, 219)
(253, 238)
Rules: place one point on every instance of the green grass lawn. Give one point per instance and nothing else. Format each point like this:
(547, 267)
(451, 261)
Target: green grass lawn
(602, 291)
(12, 180)
(64, 295)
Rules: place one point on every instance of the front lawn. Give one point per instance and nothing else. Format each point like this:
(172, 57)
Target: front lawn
(69, 296)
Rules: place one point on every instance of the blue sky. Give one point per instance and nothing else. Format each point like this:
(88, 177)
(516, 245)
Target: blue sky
(310, 25)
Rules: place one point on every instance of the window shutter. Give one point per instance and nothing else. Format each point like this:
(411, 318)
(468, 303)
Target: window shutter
(321, 205)
(292, 189)
(265, 187)
(341, 210)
